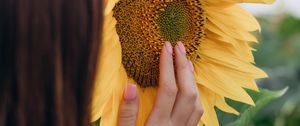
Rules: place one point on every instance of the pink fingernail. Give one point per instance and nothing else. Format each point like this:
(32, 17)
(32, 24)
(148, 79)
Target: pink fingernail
(130, 92)
(169, 47)
(191, 66)
(181, 47)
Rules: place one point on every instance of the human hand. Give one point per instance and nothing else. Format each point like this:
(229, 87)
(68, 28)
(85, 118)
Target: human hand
(177, 102)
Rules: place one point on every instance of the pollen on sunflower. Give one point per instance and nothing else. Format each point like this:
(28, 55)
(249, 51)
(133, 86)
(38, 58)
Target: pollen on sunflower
(144, 26)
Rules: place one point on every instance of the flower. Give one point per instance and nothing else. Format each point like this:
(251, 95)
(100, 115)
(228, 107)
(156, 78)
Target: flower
(216, 33)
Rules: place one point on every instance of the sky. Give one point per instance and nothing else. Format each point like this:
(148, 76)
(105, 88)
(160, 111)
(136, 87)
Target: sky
(280, 6)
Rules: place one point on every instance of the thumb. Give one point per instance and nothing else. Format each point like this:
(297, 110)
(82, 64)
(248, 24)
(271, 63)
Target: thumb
(129, 107)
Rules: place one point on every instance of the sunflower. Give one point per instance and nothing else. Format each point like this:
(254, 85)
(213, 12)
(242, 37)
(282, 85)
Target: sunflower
(216, 33)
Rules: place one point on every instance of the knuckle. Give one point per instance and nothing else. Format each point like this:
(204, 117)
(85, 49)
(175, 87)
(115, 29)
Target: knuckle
(182, 66)
(199, 110)
(190, 95)
(170, 89)
(128, 112)
(127, 115)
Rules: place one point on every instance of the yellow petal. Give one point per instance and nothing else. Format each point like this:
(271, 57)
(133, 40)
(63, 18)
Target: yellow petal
(219, 57)
(233, 17)
(147, 100)
(222, 105)
(225, 31)
(227, 2)
(110, 4)
(110, 73)
(220, 83)
(209, 116)
(257, 1)
(238, 49)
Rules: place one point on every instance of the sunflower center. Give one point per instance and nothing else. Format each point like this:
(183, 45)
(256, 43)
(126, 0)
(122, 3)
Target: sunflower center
(173, 21)
(143, 26)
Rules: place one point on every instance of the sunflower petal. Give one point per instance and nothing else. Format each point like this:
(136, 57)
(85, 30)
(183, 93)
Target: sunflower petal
(221, 104)
(220, 83)
(209, 116)
(147, 99)
(110, 4)
(109, 73)
(226, 2)
(234, 17)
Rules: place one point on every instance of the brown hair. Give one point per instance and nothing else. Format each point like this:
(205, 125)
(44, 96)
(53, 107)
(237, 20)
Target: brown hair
(48, 54)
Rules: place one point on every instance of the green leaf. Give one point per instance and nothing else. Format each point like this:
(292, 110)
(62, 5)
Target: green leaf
(263, 98)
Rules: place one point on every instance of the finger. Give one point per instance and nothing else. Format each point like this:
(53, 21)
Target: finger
(187, 93)
(167, 90)
(129, 107)
(197, 113)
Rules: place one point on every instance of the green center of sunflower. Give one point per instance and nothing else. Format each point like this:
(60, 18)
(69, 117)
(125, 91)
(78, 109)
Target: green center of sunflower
(173, 21)
(143, 26)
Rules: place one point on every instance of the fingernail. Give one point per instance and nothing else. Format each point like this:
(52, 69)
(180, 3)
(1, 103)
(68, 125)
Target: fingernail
(191, 66)
(181, 47)
(130, 92)
(169, 47)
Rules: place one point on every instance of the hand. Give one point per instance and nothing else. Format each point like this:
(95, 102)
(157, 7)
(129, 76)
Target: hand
(177, 102)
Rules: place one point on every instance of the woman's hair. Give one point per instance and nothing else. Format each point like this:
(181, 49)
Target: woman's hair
(48, 54)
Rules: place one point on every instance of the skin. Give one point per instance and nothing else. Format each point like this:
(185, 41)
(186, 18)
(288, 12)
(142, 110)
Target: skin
(177, 102)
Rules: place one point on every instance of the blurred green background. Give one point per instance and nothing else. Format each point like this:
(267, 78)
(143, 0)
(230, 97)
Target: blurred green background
(278, 53)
